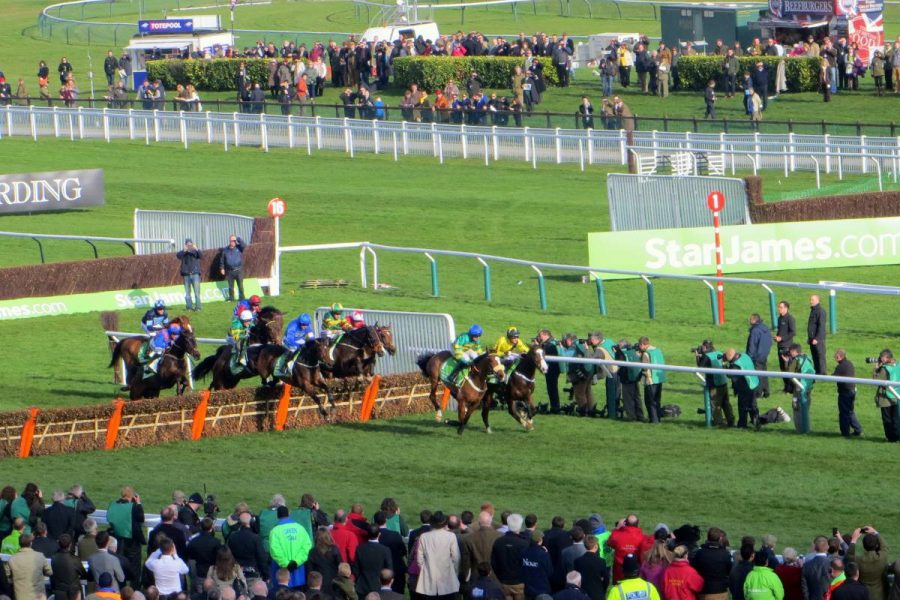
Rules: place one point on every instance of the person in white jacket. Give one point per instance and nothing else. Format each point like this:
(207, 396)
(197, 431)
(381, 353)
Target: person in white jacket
(167, 568)
(438, 558)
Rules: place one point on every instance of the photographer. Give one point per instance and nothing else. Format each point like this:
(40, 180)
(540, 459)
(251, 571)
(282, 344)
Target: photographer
(800, 363)
(722, 413)
(187, 513)
(846, 395)
(628, 380)
(872, 560)
(744, 386)
(583, 376)
(77, 499)
(126, 524)
(607, 350)
(784, 337)
(886, 397)
(653, 378)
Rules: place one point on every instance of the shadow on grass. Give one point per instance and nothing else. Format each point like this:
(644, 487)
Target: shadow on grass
(82, 393)
(417, 429)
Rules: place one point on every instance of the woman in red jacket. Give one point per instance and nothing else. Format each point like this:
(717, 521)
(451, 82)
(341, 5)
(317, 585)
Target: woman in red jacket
(789, 573)
(681, 581)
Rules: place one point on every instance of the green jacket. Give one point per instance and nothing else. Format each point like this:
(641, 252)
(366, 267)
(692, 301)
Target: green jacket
(883, 398)
(585, 350)
(632, 374)
(763, 584)
(120, 520)
(5, 522)
(745, 363)
(463, 342)
(655, 355)
(564, 351)
(803, 364)
(20, 508)
(303, 516)
(397, 523)
(716, 363)
(11, 543)
(288, 541)
(268, 519)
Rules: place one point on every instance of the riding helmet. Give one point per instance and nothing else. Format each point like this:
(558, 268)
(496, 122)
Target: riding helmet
(512, 332)
(246, 315)
(357, 316)
(159, 304)
(337, 306)
(174, 329)
(254, 300)
(305, 319)
(475, 331)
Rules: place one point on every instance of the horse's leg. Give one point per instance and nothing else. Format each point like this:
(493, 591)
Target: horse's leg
(464, 414)
(323, 385)
(310, 389)
(512, 398)
(470, 409)
(438, 413)
(486, 402)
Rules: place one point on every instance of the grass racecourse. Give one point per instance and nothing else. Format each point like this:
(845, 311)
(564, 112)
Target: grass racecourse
(747, 482)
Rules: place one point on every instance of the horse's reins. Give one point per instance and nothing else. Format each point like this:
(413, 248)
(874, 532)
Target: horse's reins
(475, 368)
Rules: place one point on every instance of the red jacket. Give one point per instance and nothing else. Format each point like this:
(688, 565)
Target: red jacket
(790, 576)
(681, 581)
(345, 539)
(625, 541)
(356, 522)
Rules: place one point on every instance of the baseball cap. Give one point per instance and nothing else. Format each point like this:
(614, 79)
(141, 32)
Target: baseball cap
(196, 498)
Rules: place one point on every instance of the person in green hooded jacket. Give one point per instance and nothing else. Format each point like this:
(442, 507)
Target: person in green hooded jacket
(653, 378)
(762, 583)
(745, 387)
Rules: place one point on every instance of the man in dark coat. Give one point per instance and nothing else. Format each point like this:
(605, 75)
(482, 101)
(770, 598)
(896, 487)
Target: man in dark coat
(393, 541)
(169, 529)
(784, 337)
(557, 539)
(740, 571)
(506, 557)
(550, 348)
(371, 559)
(59, 518)
(247, 549)
(851, 589)
(536, 567)
(815, 578)
(67, 571)
(78, 499)
(760, 78)
(759, 344)
(593, 569)
(202, 550)
(815, 333)
(573, 590)
(714, 563)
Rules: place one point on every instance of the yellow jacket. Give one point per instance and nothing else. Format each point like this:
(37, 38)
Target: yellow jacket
(335, 323)
(503, 347)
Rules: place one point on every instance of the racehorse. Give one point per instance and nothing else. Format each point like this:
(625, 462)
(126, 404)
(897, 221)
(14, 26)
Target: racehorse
(470, 393)
(266, 330)
(351, 351)
(171, 370)
(520, 387)
(387, 340)
(127, 349)
(306, 372)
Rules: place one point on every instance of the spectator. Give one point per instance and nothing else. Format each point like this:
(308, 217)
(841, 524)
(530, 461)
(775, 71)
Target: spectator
(59, 518)
(289, 546)
(371, 558)
(105, 562)
(586, 113)
(283, 578)
(324, 558)
(28, 569)
(29, 506)
(815, 334)
(42, 543)
(762, 583)
(248, 550)
(658, 558)
(438, 559)
(202, 551)
(126, 524)
(87, 545)
(872, 563)
(477, 547)
(167, 568)
(790, 573)
(230, 264)
(709, 97)
(345, 537)
(168, 529)
(226, 573)
(851, 589)
(767, 549)
(110, 66)
(573, 590)
(816, 574)
(78, 500)
(714, 563)
(105, 589)
(64, 69)
(740, 571)
(574, 551)
(11, 542)
(557, 539)
(268, 517)
(190, 257)
(630, 585)
(681, 581)
(593, 570)
(386, 591)
(847, 420)
(67, 571)
(392, 540)
(506, 558)
(485, 585)
(759, 339)
(536, 566)
(627, 539)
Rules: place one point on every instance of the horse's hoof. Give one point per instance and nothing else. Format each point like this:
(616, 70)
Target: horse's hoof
(459, 431)
(438, 417)
(488, 430)
(529, 426)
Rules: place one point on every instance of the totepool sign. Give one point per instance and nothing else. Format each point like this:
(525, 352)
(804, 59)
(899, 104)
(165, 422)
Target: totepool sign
(749, 248)
(29, 308)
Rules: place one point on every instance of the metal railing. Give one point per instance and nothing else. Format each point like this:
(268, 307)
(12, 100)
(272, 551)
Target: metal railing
(533, 118)
(368, 249)
(89, 239)
(487, 144)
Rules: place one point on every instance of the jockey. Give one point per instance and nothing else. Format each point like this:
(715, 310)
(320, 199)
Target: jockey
(509, 347)
(252, 304)
(155, 319)
(334, 321)
(255, 305)
(299, 331)
(240, 332)
(153, 349)
(466, 348)
(356, 320)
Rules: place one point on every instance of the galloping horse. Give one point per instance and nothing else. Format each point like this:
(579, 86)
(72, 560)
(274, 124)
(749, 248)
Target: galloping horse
(470, 393)
(351, 350)
(306, 372)
(384, 334)
(171, 370)
(127, 349)
(266, 331)
(520, 387)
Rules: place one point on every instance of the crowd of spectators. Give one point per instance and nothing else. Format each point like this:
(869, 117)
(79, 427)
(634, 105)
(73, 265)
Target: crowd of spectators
(303, 553)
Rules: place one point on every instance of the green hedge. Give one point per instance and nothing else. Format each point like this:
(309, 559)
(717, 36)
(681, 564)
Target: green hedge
(802, 73)
(215, 75)
(432, 72)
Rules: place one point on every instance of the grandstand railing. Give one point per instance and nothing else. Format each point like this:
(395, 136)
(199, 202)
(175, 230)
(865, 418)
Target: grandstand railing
(367, 249)
(130, 242)
(756, 151)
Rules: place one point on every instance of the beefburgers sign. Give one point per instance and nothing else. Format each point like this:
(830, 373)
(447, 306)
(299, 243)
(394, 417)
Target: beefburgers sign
(51, 190)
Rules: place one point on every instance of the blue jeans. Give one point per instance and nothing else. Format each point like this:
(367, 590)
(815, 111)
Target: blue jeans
(192, 281)
(834, 80)
(608, 81)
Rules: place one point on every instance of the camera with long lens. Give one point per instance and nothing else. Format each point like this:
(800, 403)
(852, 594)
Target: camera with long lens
(211, 506)
(872, 360)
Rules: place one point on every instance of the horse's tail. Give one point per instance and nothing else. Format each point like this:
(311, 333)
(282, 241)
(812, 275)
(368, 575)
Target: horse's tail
(204, 367)
(116, 355)
(422, 360)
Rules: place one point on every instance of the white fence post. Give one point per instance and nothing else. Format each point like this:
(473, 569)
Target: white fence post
(558, 147)
(405, 138)
(182, 129)
(264, 132)
(55, 122)
(236, 137)
(318, 134)
(346, 136)
(396, 158)
(526, 144)
(225, 135)
(486, 152)
(375, 135)
(590, 146)
(495, 142)
(793, 150)
(156, 126)
(106, 125)
(208, 128)
(825, 145)
(130, 123)
(350, 141)
(32, 122)
(464, 141)
(308, 141)
(80, 124)
(290, 125)
(863, 153)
